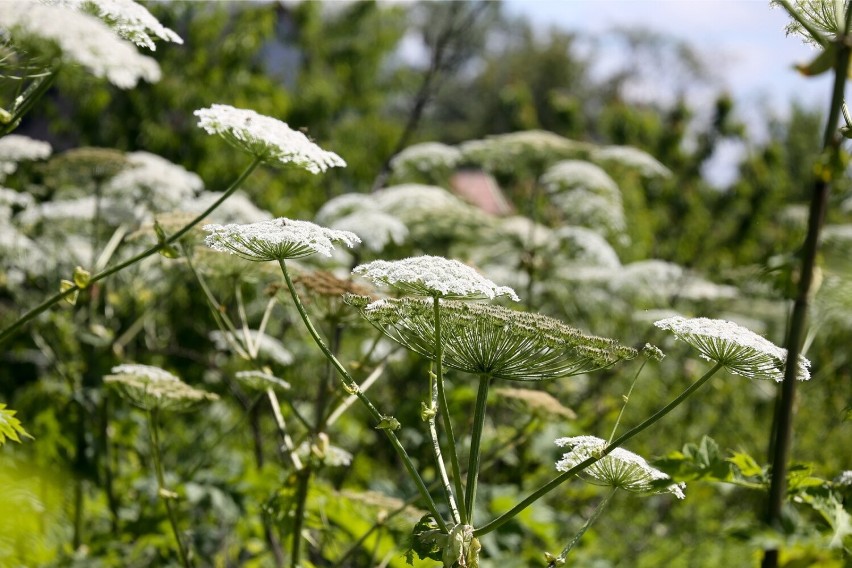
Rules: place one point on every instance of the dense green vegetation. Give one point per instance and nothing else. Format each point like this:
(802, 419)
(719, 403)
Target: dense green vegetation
(612, 227)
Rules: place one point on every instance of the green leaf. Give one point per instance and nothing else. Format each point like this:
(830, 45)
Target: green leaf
(746, 464)
(820, 64)
(10, 427)
(66, 285)
(389, 423)
(81, 277)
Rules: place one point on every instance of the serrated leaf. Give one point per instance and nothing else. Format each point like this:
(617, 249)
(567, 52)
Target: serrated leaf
(747, 465)
(10, 427)
(64, 286)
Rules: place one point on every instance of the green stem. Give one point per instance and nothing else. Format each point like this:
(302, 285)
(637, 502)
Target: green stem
(561, 478)
(626, 400)
(352, 387)
(783, 432)
(475, 443)
(7, 333)
(30, 96)
(161, 483)
(444, 409)
(436, 449)
(589, 522)
(304, 476)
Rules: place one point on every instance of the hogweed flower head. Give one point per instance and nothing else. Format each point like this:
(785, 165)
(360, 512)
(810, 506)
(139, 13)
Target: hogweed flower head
(152, 388)
(130, 20)
(376, 228)
(740, 350)
(15, 148)
(634, 158)
(260, 381)
(266, 138)
(278, 239)
(491, 340)
(620, 468)
(151, 178)
(433, 276)
(81, 38)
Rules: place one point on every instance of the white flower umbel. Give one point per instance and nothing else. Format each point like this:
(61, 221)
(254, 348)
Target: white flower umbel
(578, 174)
(632, 158)
(620, 468)
(152, 388)
(343, 205)
(376, 228)
(15, 148)
(260, 381)
(130, 20)
(238, 208)
(81, 39)
(426, 157)
(155, 181)
(266, 138)
(433, 276)
(740, 350)
(278, 239)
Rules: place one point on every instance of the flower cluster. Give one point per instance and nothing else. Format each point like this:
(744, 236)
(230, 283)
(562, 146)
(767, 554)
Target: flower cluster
(81, 39)
(569, 175)
(154, 180)
(504, 152)
(15, 148)
(130, 20)
(492, 340)
(740, 350)
(620, 468)
(433, 276)
(632, 158)
(266, 138)
(425, 158)
(152, 388)
(278, 239)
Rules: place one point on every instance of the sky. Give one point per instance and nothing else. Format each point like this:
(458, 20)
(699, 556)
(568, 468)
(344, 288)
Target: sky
(743, 43)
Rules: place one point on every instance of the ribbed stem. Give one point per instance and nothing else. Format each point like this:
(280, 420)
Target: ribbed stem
(475, 443)
(557, 481)
(444, 409)
(436, 449)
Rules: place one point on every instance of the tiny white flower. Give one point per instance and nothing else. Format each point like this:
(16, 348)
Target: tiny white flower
(266, 138)
(844, 478)
(620, 468)
(81, 38)
(740, 350)
(130, 20)
(433, 276)
(278, 239)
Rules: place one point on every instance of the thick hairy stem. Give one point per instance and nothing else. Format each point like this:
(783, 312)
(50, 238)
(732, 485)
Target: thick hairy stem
(444, 409)
(436, 449)
(560, 479)
(782, 435)
(475, 443)
(56, 298)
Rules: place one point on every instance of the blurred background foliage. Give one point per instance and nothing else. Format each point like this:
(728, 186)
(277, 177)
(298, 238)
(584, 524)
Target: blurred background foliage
(367, 80)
